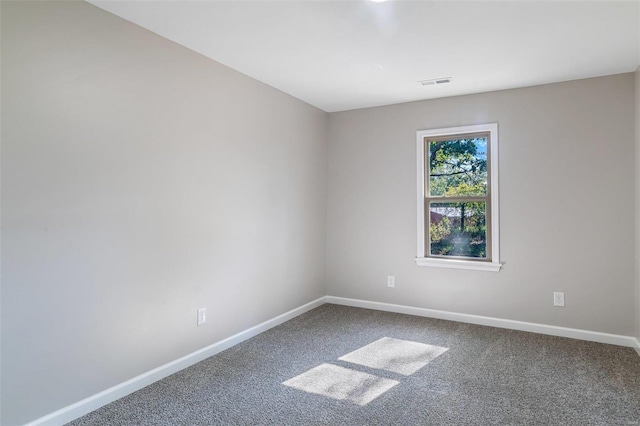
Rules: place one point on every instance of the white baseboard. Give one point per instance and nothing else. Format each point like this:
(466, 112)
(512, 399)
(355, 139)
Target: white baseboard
(593, 336)
(98, 400)
(80, 408)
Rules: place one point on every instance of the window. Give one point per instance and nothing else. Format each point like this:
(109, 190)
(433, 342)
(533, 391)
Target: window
(458, 198)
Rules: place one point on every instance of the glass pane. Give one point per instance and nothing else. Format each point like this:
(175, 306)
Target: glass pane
(458, 229)
(458, 167)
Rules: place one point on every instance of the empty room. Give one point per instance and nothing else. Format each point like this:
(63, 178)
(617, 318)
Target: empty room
(319, 212)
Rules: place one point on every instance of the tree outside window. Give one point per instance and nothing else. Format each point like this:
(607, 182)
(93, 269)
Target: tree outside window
(457, 196)
(458, 217)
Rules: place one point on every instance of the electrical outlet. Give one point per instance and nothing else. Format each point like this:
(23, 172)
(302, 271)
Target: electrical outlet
(558, 298)
(202, 316)
(391, 281)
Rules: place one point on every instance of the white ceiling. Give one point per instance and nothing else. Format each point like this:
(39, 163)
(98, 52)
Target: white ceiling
(341, 55)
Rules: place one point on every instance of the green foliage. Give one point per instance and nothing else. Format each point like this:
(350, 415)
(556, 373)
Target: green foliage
(457, 165)
(452, 236)
(441, 229)
(458, 168)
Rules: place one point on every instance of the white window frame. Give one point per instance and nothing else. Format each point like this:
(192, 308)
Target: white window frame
(422, 259)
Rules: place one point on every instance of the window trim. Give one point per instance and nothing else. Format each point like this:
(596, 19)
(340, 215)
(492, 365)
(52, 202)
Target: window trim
(421, 259)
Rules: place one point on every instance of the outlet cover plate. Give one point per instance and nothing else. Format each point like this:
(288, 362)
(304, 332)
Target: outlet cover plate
(558, 298)
(202, 316)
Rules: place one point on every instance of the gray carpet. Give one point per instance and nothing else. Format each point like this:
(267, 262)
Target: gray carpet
(427, 372)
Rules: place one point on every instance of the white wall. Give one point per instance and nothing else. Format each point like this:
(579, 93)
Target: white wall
(566, 205)
(141, 181)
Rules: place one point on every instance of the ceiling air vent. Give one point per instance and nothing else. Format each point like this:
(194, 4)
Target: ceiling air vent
(435, 81)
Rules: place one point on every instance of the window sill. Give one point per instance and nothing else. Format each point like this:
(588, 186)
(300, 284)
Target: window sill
(458, 264)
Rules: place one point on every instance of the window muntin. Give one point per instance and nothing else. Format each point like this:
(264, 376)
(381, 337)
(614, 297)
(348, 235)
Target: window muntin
(458, 220)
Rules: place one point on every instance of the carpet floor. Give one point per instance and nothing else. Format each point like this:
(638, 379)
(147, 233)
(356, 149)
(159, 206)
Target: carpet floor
(339, 365)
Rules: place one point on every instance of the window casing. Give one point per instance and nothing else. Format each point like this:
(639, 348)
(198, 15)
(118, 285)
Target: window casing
(457, 203)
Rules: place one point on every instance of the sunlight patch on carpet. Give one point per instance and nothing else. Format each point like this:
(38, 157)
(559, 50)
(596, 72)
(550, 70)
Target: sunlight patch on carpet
(341, 383)
(398, 356)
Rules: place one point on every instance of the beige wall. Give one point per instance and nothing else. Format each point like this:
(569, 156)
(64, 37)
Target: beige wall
(567, 213)
(141, 181)
(637, 117)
